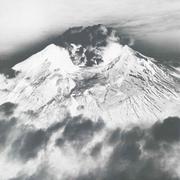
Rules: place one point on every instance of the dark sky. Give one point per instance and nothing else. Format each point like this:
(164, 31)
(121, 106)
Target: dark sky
(28, 26)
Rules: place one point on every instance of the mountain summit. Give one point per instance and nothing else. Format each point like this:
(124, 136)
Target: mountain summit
(87, 82)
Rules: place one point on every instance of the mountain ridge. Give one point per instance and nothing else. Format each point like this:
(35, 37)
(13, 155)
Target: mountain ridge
(131, 79)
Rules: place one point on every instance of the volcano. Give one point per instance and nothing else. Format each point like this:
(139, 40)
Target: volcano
(66, 99)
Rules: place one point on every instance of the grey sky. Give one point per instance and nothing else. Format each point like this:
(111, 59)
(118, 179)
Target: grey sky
(28, 23)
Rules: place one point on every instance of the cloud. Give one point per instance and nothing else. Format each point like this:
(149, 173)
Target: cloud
(168, 130)
(164, 134)
(42, 173)
(56, 126)
(114, 136)
(76, 131)
(7, 109)
(132, 154)
(31, 141)
(96, 150)
(132, 159)
(7, 122)
(5, 129)
(28, 144)
(79, 130)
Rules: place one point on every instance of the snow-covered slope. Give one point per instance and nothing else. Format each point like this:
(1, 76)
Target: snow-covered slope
(129, 88)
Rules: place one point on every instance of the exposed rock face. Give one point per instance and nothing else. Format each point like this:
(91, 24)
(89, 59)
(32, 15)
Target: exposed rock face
(85, 45)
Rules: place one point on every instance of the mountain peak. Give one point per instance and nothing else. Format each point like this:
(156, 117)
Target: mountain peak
(52, 57)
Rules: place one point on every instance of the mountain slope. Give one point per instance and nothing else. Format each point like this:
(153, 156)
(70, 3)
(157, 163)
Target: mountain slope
(129, 86)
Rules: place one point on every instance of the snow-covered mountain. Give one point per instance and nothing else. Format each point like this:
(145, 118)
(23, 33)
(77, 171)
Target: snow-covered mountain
(126, 84)
(96, 78)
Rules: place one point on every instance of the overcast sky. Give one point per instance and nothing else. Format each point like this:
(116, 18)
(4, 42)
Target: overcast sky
(26, 25)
